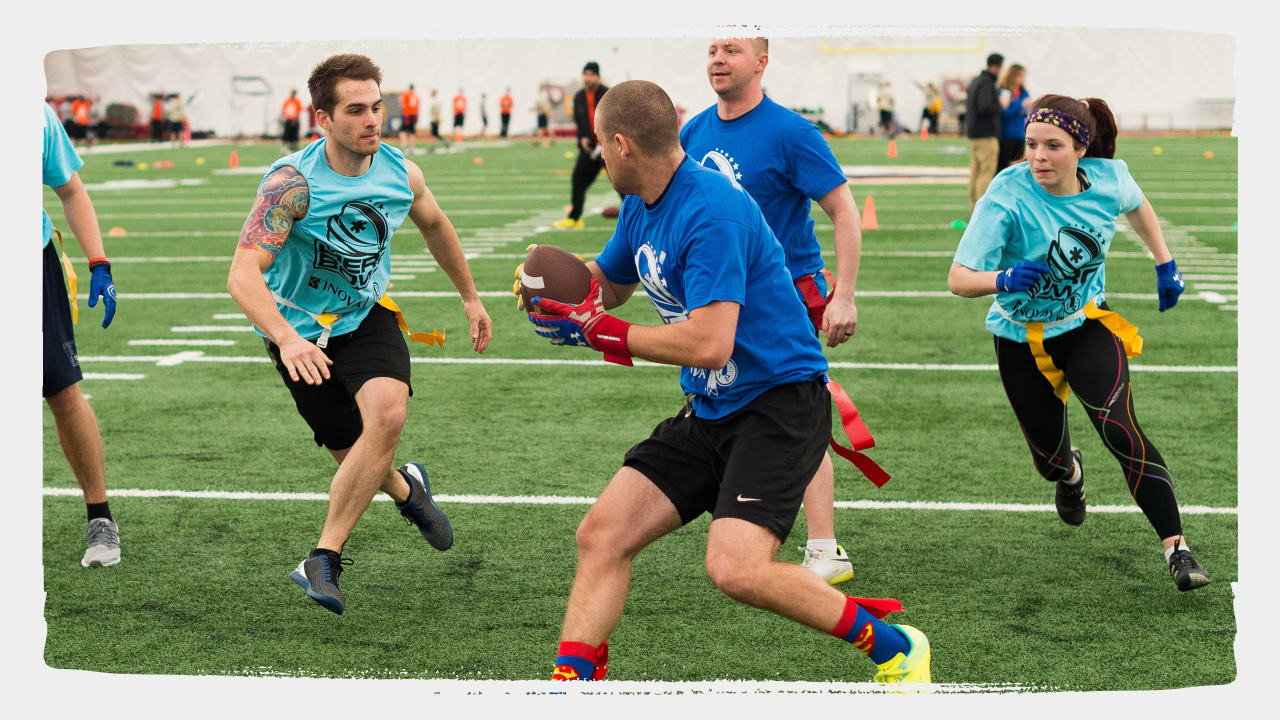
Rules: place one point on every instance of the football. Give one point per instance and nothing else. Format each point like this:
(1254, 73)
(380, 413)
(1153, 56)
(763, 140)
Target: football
(553, 273)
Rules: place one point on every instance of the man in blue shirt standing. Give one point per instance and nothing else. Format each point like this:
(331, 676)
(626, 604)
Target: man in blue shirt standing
(77, 425)
(783, 161)
(758, 415)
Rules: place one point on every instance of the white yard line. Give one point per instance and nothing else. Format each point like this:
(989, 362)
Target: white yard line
(582, 500)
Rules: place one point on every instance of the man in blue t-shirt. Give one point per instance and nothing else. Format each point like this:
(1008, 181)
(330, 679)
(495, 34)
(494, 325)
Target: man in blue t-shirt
(783, 161)
(758, 416)
(77, 425)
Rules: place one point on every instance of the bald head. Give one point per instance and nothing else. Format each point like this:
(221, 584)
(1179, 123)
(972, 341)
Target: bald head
(643, 114)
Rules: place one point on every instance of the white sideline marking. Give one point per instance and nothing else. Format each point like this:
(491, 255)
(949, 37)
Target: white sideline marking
(582, 500)
(196, 343)
(229, 316)
(112, 376)
(212, 328)
(641, 363)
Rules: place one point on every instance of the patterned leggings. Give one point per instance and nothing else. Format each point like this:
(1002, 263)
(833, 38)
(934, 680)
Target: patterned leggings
(1097, 371)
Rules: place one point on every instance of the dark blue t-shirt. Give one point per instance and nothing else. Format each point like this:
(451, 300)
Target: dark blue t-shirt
(705, 240)
(781, 159)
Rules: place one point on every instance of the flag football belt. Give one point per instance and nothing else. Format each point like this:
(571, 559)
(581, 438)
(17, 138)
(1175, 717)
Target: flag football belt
(71, 279)
(814, 302)
(859, 437)
(326, 321)
(1125, 331)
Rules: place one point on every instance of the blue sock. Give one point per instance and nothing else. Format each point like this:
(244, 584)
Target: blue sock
(879, 640)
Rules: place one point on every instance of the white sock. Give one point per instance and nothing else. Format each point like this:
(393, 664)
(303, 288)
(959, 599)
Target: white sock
(1075, 475)
(1168, 552)
(825, 545)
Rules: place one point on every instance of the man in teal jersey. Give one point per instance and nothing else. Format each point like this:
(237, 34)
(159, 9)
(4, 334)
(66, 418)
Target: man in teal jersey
(77, 425)
(310, 272)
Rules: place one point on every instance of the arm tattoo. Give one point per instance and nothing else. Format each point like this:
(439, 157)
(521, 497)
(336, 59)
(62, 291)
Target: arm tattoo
(282, 199)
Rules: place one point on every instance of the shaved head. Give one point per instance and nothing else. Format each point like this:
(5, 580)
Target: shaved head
(644, 115)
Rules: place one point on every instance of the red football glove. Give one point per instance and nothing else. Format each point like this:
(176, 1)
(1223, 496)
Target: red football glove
(584, 324)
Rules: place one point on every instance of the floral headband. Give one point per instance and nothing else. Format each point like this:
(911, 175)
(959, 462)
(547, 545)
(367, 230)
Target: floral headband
(1069, 123)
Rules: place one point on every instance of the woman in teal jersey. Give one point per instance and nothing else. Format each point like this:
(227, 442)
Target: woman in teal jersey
(1038, 240)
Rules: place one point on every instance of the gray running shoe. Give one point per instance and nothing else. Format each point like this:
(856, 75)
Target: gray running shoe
(104, 543)
(1069, 499)
(1187, 573)
(421, 510)
(318, 575)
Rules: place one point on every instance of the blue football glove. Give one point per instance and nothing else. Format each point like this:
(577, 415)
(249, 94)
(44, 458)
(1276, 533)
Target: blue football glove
(1169, 284)
(1021, 277)
(100, 285)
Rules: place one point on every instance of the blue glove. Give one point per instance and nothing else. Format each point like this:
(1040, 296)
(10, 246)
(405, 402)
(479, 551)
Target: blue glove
(1169, 284)
(1021, 277)
(100, 285)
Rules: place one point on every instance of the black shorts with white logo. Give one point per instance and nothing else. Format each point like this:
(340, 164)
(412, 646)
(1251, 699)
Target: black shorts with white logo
(61, 364)
(375, 349)
(753, 464)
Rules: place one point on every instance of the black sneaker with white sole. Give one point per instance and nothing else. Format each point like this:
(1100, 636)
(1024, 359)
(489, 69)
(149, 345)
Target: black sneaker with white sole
(1069, 497)
(421, 511)
(318, 575)
(1187, 573)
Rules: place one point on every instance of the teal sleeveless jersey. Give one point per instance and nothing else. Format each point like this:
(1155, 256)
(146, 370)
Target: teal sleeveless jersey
(338, 258)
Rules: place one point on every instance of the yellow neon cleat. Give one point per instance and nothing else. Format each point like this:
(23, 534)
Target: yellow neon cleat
(914, 667)
(568, 224)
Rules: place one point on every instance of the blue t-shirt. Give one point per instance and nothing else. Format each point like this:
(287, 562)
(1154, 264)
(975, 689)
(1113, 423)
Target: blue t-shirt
(1017, 220)
(703, 241)
(337, 259)
(781, 159)
(60, 161)
(1013, 119)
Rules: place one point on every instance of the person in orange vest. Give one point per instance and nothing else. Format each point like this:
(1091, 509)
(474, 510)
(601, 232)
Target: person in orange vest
(79, 118)
(504, 108)
(459, 115)
(157, 117)
(408, 118)
(289, 114)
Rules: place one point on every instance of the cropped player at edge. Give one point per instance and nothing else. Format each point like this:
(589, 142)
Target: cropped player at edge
(1038, 239)
(757, 417)
(783, 161)
(311, 271)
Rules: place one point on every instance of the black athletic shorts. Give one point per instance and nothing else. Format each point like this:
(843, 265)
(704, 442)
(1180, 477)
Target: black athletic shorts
(458, 118)
(753, 464)
(410, 124)
(61, 365)
(290, 134)
(375, 349)
(542, 122)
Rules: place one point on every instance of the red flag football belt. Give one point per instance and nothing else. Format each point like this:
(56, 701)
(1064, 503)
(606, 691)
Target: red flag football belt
(859, 437)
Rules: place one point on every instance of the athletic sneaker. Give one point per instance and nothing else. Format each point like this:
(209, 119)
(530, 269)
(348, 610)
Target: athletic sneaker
(911, 668)
(568, 224)
(1069, 499)
(1187, 573)
(318, 575)
(834, 567)
(104, 543)
(421, 510)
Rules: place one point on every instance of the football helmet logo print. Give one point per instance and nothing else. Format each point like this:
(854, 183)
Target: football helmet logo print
(357, 238)
(1074, 255)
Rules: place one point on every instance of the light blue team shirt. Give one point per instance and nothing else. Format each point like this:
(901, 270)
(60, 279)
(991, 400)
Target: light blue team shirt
(60, 161)
(337, 259)
(1017, 220)
(783, 162)
(703, 241)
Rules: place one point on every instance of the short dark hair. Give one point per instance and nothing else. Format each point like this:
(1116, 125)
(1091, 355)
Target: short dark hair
(995, 59)
(323, 83)
(593, 66)
(645, 116)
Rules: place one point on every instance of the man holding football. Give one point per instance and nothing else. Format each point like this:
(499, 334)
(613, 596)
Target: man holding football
(310, 272)
(757, 417)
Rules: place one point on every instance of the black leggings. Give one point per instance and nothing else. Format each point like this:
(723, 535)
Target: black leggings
(584, 173)
(1096, 369)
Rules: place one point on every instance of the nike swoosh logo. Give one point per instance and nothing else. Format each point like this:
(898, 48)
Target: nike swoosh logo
(742, 499)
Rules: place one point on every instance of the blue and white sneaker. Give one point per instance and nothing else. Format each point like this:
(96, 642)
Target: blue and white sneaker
(421, 510)
(318, 575)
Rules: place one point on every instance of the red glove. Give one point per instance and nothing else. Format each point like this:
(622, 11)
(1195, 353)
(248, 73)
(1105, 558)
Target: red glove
(584, 324)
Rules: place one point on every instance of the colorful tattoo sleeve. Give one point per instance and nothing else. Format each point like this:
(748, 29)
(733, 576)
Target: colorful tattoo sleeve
(282, 199)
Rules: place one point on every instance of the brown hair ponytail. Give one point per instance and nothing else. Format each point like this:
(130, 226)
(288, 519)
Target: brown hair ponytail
(1103, 143)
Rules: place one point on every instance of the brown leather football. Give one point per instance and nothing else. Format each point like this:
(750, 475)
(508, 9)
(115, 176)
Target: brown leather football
(553, 273)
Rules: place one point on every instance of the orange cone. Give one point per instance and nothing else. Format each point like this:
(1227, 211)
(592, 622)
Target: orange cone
(893, 148)
(924, 132)
(869, 214)
(235, 160)
(116, 232)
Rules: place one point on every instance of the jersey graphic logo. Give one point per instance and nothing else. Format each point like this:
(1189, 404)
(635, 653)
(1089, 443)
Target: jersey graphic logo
(720, 159)
(716, 379)
(357, 238)
(1074, 256)
(649, 268)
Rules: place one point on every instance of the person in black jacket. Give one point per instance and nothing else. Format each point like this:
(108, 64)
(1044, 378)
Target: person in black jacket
(589, 160)
(982, 125)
